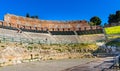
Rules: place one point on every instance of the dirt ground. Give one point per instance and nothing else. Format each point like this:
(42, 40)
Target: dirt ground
(85, 64)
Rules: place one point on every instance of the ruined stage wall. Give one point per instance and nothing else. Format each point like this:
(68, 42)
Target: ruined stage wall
(29, 23)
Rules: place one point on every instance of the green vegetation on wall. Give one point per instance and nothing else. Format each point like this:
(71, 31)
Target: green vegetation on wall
(112, 30)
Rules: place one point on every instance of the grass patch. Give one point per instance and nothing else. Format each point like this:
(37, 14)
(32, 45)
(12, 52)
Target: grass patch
(112, 30)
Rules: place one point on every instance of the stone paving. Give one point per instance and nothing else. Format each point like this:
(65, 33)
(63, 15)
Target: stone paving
(85, 64)
(49, 65)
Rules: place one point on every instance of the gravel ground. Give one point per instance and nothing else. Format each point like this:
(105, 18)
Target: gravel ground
(50, 65)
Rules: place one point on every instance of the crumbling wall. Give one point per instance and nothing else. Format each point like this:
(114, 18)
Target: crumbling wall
(18, 21)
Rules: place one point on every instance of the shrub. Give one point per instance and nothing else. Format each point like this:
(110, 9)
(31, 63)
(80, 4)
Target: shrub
(29, 47)
(2, 46)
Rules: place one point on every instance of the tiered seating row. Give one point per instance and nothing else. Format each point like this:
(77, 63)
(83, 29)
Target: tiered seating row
(35, 31)
(62, 32)
(66, 39)
(87, 32)
(13, 35)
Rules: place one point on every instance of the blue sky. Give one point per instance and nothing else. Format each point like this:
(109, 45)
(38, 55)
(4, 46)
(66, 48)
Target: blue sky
(61, 9)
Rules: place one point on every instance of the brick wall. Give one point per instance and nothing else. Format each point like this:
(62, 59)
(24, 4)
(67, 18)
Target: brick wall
(18, 21)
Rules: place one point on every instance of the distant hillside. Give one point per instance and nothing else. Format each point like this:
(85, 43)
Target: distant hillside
(112, 30)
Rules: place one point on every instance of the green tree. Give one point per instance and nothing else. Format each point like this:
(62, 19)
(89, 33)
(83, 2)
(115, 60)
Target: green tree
(91, 23)
(32, 16)
(113, 18)
(95, 20)
(105, 24)
(36, 17)
(27, 15)
(118, 16)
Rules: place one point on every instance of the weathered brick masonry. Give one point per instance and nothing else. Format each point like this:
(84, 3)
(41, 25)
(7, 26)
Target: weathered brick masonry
(36, 24)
